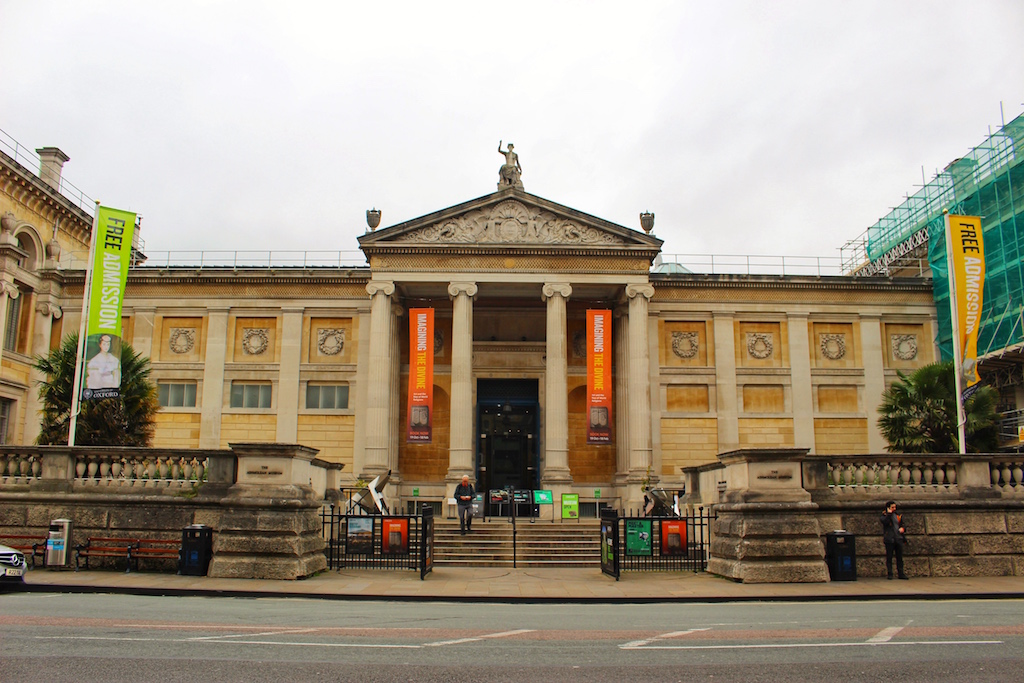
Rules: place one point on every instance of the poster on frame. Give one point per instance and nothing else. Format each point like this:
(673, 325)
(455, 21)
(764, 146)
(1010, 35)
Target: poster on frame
(359, 536)
(394, 539)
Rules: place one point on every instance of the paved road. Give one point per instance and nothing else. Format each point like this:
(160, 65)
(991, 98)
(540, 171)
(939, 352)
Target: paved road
(67, 637)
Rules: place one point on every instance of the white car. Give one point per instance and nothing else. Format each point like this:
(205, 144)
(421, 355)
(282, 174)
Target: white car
(12, 564)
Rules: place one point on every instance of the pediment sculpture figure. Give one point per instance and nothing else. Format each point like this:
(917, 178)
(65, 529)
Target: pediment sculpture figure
(508, 175)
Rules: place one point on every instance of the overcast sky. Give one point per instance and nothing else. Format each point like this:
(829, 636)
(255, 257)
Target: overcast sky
(747, 127)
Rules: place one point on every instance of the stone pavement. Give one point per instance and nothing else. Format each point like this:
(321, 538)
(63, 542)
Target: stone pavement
(522, 585)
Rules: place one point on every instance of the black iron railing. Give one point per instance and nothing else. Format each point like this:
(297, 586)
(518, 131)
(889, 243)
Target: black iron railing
(378, 541)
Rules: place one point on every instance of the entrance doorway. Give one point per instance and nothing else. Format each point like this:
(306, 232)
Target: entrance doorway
(507, 451)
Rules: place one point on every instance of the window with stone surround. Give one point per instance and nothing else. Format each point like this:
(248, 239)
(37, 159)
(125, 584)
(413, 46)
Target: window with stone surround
(326, 396)
(250, 394)
(177, 394)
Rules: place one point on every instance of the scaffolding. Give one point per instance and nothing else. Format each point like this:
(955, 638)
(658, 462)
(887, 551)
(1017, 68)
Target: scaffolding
(987, 182)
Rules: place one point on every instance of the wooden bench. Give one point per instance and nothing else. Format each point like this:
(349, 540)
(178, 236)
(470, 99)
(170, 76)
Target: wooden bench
(100, 546)
(157, 549)
(33, 546)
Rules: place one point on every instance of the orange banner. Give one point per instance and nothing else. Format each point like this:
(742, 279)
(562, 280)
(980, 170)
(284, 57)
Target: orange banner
(968, 264)
(421, 374)
(599, 376)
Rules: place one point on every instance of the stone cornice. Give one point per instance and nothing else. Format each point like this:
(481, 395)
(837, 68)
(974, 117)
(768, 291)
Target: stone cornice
(35, 194)
(832, 282)
(147, 276)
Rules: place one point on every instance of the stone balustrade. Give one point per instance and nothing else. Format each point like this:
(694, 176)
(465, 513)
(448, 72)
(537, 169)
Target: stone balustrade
(260, 499)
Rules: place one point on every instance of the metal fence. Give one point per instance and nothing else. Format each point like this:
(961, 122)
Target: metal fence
(655, 543)
(378, 541)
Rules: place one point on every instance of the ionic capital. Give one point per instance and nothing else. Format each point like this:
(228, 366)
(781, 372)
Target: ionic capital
(47, 308)
(563, 289)
(384, 287)
(456, 288)
(633, 291)
(10, 289)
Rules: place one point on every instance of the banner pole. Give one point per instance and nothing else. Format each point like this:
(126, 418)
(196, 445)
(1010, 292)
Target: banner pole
(958, 360)
(76, 387)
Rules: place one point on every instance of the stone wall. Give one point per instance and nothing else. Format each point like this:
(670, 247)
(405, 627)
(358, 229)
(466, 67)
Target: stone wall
(261, 500)
(964, 514)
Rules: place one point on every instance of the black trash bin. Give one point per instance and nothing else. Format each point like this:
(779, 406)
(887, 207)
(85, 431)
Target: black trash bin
(196, 550)
(841, 555)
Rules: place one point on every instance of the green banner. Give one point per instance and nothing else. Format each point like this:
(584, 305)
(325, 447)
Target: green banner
(114, 233)
(638, 537)
(542, 497)
(570, 505)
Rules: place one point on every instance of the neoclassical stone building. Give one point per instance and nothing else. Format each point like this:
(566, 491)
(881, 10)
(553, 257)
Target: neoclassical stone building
(702, 364)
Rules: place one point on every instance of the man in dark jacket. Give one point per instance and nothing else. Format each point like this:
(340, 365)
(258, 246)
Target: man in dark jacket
(464, 494)
(893, 533)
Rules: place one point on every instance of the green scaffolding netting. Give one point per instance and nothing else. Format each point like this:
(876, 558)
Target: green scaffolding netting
(988, 183)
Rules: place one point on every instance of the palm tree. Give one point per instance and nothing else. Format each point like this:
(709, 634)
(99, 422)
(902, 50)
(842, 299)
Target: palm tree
(919, 414)
(124, 421)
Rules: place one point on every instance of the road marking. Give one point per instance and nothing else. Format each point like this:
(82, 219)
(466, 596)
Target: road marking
(885, 635)
(771, 646)
(280, 632)
(233, 642)
(271, 642)
(503, 634)
(675, 634)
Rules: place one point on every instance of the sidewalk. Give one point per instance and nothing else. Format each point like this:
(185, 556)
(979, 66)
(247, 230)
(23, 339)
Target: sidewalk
(522, 585)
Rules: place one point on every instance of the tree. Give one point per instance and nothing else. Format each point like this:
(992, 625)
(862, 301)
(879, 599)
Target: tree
(124, 421)
(919, 414)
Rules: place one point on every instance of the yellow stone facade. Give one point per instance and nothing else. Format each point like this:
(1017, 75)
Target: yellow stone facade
(702, 364)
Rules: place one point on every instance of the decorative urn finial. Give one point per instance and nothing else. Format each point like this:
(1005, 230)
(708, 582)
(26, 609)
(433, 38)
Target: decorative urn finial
(647, 221)
(8, 222)
(373, 218)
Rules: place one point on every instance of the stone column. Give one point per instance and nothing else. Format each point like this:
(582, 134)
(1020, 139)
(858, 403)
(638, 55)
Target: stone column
(621, 406)
(639, 386)
(362, 397)
(288, 377)
(45, 314)
(556, 390)
(396, 396)
(727, 408)
(460, 450)
(379, 378)
(800, 381)
(873, 356)
(213, 377)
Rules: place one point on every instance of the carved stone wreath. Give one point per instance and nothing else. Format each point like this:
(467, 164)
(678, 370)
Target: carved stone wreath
(181, 339)
(759, 345)
(579, 344)
(904, 346)
(685, 344)
(255, 341)
(330, 340)
(438, 343)
(833, 346)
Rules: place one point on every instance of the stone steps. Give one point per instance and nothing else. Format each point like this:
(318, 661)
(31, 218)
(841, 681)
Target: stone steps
(537, 545)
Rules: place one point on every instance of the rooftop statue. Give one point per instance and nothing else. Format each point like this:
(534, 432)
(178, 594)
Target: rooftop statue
(510, 171)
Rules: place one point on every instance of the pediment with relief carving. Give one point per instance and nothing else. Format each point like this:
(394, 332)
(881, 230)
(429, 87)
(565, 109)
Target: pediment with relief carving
(510, 218)
(512, 222)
